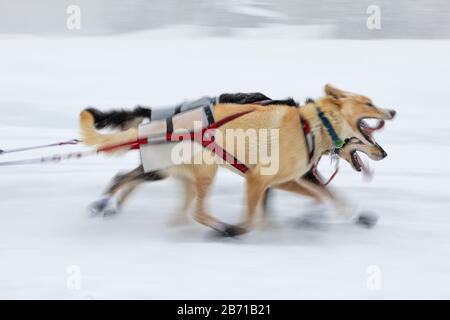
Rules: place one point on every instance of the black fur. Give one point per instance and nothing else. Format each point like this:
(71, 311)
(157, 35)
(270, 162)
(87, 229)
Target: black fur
(254, 97)
(242, 98)
(118, 118)
(123, 119)
(285, 102)
(309, 176)
(154, 176)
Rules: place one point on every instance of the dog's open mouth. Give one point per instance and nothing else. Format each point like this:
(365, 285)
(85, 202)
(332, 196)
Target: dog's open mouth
(359, 165)
(367, 130)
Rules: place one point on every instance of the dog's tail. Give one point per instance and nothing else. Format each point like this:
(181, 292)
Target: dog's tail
(120, 119)
(92, 137)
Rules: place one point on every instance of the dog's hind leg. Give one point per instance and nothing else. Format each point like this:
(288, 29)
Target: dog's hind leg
(123, 179)
(109, 204)
(202, 177)
(136, 181)
(129, 189)
(120, 189)
(256, 188)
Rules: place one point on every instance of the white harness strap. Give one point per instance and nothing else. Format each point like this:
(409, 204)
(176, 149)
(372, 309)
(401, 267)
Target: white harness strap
(159, 153)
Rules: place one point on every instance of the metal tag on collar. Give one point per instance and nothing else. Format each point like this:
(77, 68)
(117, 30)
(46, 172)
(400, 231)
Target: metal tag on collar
(334, 157)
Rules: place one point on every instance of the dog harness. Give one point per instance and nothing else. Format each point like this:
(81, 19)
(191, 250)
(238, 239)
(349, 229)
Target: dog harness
(156, 153)
(165, 112)
(166, 123)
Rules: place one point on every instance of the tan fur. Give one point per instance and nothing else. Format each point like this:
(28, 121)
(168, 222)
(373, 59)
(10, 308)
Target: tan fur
(91, 137)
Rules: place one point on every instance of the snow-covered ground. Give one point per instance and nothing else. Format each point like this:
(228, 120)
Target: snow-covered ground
(45, 228)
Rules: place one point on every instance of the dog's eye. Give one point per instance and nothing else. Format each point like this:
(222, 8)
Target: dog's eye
(370, 104)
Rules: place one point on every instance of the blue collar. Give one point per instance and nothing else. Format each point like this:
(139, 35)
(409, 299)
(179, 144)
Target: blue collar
(337, 142)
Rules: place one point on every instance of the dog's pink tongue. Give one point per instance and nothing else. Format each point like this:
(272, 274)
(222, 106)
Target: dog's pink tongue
(365, 168)
(367, 172)
(369, 129)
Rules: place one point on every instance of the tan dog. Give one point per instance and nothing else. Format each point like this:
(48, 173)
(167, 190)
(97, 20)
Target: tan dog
(345, 114)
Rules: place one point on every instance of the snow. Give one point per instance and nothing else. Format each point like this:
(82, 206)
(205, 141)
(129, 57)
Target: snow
(45, 228)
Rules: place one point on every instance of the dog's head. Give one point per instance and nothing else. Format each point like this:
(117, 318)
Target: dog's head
(357, 108)
(349, 152)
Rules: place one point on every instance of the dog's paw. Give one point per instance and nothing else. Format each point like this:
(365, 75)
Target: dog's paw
(96, 208)
(367, 219)
(106, 207)
(231, 231)
(111, 210)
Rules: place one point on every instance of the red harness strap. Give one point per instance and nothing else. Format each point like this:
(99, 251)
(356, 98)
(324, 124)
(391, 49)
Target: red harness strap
(309, 138)
(319, 178)
(207, 139)
(134, 145)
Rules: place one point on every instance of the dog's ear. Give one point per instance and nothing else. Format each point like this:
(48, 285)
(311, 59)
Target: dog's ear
(334, 92)
(329, 100)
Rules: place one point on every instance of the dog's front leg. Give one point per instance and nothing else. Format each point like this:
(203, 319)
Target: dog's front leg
(322, 193)
(295, 187)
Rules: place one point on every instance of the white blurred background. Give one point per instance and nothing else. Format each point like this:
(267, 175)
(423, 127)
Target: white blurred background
(338, 19)
(162, 52)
